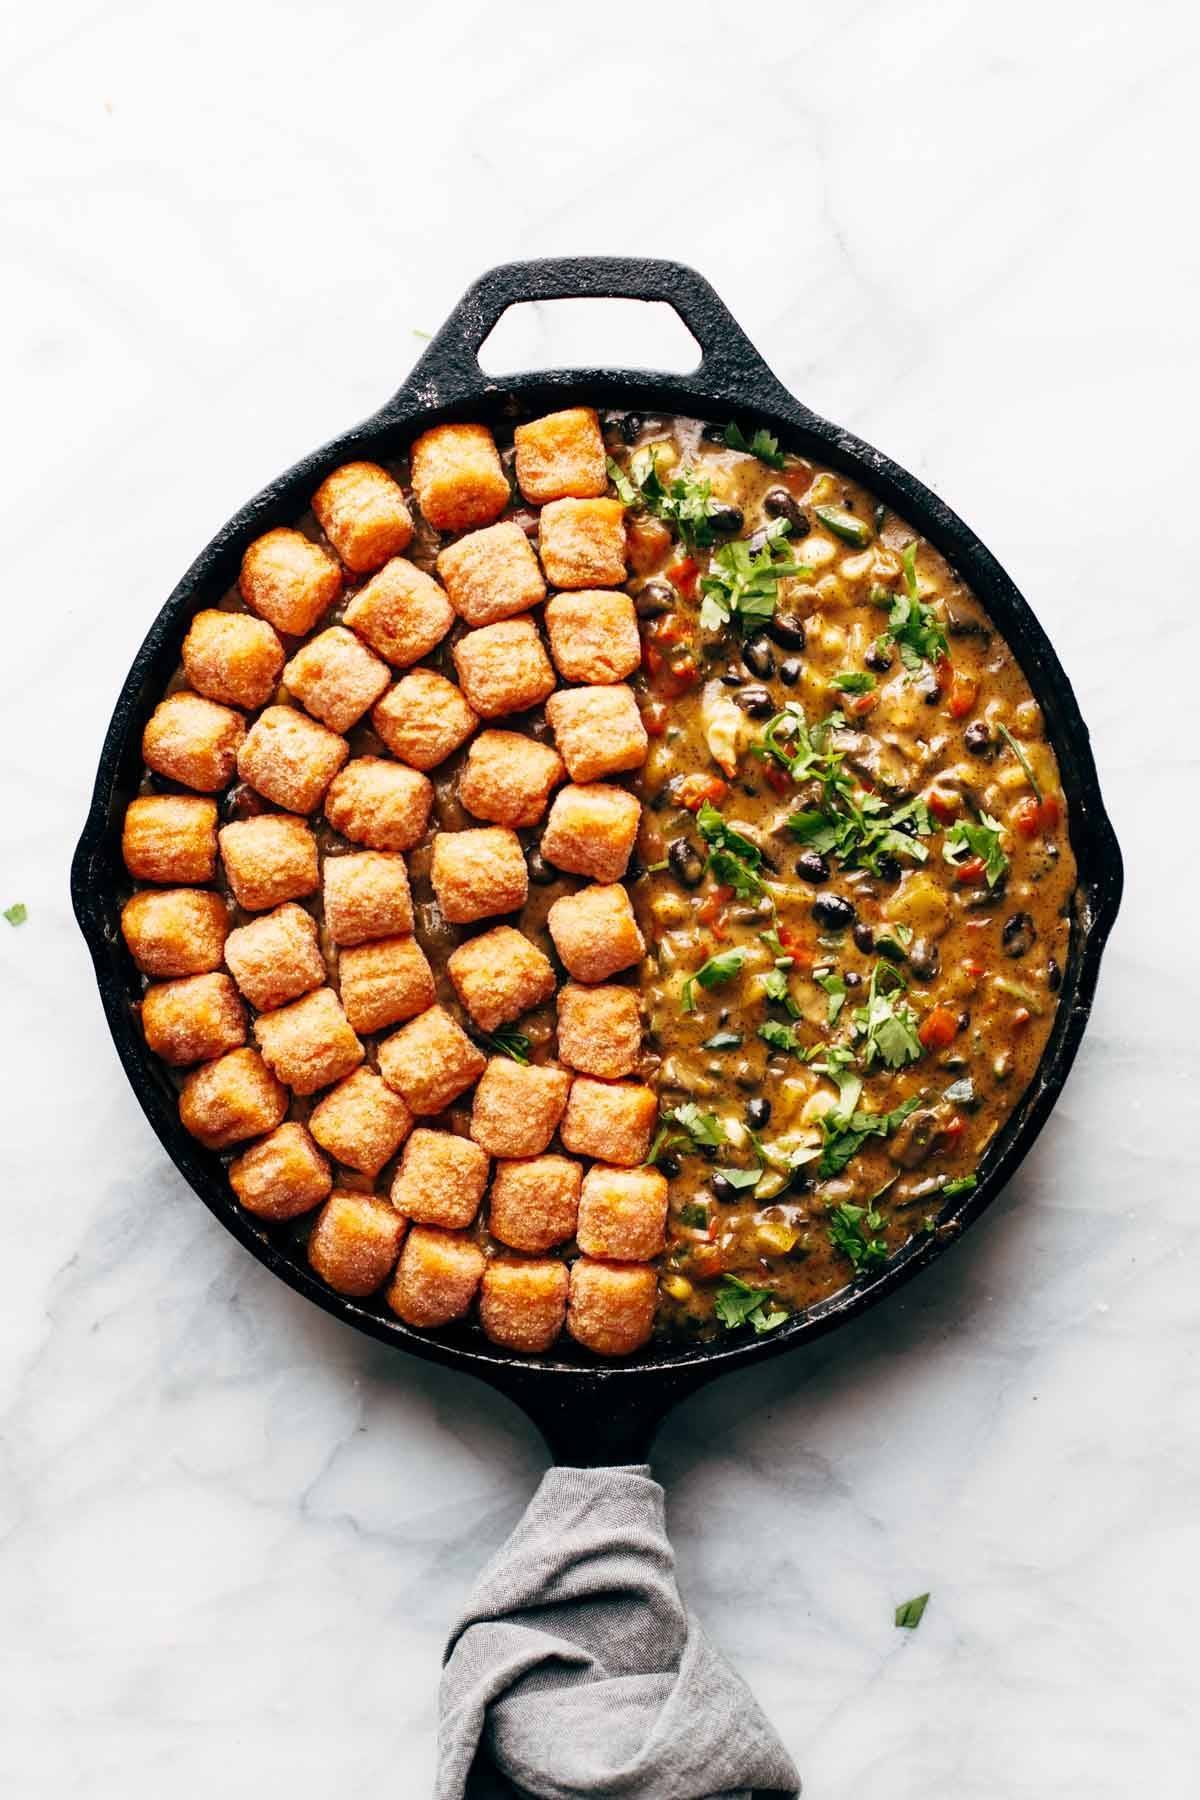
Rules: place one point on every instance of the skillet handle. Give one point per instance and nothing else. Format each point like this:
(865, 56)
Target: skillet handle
(730, 366)
(601, 1417)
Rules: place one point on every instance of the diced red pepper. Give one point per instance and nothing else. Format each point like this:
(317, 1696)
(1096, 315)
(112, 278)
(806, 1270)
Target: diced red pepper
(942, 805)
(962, 695)
(951, 1132)
(859, 705)
(796, 478)
(972, 873)
(975, 969)
(938, 1029)
(777, 779)
(1021, 1016)
(711, 912)
(943, 673)
(1034, 818)
(672, 628)
(693, 790)
(705, 1262)
(683, 576)
(654, 717)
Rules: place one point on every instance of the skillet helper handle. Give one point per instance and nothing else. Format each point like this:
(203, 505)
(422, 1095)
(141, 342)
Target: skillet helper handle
(730, 367)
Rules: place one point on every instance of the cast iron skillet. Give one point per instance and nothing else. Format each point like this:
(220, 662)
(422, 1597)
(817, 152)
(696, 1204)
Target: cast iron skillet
(590, 1412)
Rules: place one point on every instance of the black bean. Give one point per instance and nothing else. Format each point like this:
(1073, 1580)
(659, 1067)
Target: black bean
(1053, 976)
(864, 937)
(889, 868)
(790, 671)
(654, 599)
(1018, 934)
(977, 738)
(540, 870)
(779, 504)
(630, 427)
(833, 912)
(787, 628)
(756, 701)
(725, 519)
(686, 862)
(723, 1189)
(879, 657)
(928, 688)
(759, 658)
(812, 866)
(852, 978)
(733, 675)
(758, 1113)
(669, 1165)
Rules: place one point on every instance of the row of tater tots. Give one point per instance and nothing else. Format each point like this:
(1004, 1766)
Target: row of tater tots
(203, 974)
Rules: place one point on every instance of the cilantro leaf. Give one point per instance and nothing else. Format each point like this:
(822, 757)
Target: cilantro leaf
(732, 858)
(853, 681)
(910, 1612)
(694, 1216)
(775, 987)
(780, 1037)
(740, 1178)
(17, 913)
(721, 967)
(737, 1303)
(917, 632)
(887, 1027)
(683, 500)
(835, 987)
(852, 1230)
(703, 1128)
(845, 1135)
(964, 840)
(961, 1184)
(762, 445)
(742, 584)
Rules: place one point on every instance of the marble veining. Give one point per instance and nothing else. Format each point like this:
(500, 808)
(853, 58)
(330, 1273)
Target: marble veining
(231, 1534)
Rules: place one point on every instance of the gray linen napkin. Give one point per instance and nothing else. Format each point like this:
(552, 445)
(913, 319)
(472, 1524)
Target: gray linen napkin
(576, 1672)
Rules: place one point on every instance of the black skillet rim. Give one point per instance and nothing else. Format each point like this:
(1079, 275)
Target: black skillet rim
(731, 380)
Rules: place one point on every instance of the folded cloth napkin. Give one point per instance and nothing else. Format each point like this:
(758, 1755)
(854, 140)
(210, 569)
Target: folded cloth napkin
(576, 1673)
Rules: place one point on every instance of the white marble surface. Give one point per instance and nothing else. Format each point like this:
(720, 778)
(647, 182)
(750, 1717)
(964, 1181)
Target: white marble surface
(231, 1534)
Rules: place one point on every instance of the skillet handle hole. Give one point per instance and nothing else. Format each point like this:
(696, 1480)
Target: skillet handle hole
(588, 334)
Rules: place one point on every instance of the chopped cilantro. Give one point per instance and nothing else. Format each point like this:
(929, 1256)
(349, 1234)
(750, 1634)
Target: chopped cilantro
(509, 1043)
(694, 1216)
(17, 913)
(917, 633)
(961, 1184)
(737, 1303)
(844, 525)
(963, 841)
(908, 558)
(703, 1128)
(741, 584)
(721, 967)
(775, 987)
(740, 1178)
(853, 681)
(835, 987)
(732, 858)
(780, 1037)
(683, 500)
(887, 1026)
(846, 1131)
(852, 1231)
(762, 445)
(910, 1612)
